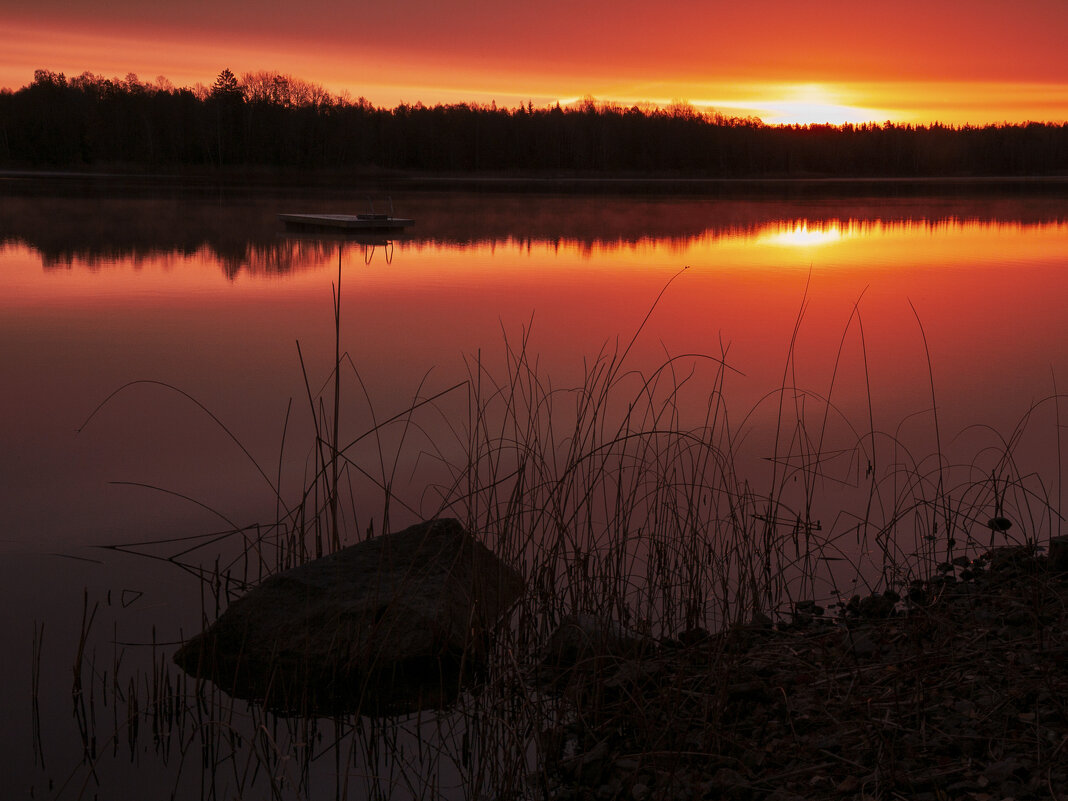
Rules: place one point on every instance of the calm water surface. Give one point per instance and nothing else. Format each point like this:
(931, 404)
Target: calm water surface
(892, 306)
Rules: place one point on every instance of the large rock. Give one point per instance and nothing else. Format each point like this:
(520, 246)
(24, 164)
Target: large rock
(391, 625)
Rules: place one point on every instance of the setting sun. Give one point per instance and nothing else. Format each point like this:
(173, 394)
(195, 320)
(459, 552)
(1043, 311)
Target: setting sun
(812, 103)
(798, 104)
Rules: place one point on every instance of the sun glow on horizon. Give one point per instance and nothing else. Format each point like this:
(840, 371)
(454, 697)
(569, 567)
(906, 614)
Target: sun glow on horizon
(802, 104)
(773, 103)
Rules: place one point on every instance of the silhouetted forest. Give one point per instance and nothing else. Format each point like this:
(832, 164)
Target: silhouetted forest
(271, 120)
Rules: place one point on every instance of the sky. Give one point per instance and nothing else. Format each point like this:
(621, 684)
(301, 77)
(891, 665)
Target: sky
(917, 61)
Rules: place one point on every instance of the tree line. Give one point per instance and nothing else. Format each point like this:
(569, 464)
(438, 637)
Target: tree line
(268, 119)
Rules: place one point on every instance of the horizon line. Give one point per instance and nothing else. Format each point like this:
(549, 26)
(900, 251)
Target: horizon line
(847, 115)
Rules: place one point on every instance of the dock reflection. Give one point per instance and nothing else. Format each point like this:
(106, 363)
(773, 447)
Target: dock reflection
(243, 235)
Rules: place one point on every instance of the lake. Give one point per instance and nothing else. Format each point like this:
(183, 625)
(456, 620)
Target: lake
(920, 338)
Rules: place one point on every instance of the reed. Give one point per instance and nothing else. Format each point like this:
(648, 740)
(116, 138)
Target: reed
(632, 498)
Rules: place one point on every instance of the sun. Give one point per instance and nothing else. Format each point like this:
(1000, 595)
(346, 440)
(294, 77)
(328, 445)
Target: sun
(796, 104)
(813, 104)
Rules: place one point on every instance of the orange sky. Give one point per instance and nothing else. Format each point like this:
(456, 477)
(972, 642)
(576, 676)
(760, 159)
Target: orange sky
(835, 60)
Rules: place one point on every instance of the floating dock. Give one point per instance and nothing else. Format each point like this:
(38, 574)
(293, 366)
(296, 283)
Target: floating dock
(345, 222)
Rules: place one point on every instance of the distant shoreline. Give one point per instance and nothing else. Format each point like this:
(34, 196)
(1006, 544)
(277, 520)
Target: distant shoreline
(136, 179)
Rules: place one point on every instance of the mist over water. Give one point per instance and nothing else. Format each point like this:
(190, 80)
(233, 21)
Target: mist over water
(891, 308)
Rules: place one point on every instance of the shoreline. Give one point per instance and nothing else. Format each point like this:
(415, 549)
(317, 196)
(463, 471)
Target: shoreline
(956, 690)
(133, 178)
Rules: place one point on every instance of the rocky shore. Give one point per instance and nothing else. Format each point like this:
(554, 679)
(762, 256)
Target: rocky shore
(955, 687)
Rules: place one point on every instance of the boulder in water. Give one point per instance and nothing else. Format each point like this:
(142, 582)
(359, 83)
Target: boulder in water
(391, 625)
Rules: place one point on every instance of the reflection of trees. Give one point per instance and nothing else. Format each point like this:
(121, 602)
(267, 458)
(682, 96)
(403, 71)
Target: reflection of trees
(273, 258)
(270, 119)
(254, 258)
(239, 231)
(96, 229)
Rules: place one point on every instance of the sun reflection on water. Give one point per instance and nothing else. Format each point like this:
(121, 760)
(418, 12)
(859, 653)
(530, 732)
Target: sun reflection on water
(802, 234)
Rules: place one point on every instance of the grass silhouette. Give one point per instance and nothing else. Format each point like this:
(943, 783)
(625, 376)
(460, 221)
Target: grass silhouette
(630, 499)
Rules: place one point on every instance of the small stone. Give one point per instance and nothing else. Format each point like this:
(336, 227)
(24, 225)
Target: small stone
(639, 792)
(752, 691)
(595, 754)
(1001, 772)
(1058, 554)
(999, 524)
(863, 646)
(611, 789)
(1018, 617)
(726, 778)
(760, 621)
(694, 636)
(848, 784)
(810, 608)
(585, 638)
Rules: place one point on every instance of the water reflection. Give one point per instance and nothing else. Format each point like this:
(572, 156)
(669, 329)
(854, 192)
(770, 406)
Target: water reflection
(242, 234)
(802, 234)
(881, 311)
(209, 295)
